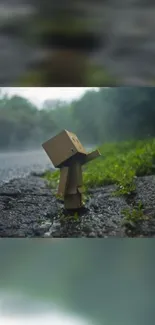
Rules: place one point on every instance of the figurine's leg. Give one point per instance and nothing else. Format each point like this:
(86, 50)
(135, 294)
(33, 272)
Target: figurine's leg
(73, 201)
(73, 197)
(63, 180)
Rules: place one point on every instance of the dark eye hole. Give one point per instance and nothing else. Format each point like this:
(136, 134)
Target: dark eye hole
(72, 150)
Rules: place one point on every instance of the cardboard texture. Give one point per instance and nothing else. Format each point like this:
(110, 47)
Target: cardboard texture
(64, 171)
(74, 178)
(90, 156)
(72, 194)
(62, 147)
(67, 153)
(73, 201)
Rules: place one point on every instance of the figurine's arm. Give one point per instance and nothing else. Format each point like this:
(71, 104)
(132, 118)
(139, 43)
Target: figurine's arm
(71, 177)
(90, 156)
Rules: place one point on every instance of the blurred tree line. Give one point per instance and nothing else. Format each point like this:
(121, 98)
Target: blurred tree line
(22, 124)
(106, 114)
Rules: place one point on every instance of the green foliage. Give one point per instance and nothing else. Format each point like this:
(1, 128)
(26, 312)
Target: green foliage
(120, 164)
(69, 217)
(52, 178)
(134, 216)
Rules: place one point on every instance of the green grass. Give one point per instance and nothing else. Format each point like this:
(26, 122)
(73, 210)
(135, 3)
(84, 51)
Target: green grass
(119, 164)
(134, 216)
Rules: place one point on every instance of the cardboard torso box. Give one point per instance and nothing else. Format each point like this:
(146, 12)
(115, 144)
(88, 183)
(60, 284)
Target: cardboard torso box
(62, 147)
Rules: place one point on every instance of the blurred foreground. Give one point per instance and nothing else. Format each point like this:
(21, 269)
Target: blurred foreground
(17, 309)
(77, 43)
(109, 282)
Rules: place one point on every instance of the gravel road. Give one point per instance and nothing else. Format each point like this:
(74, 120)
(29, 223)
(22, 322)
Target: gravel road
(28, 208)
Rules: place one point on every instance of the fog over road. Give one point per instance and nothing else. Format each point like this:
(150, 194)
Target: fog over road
(20, 164)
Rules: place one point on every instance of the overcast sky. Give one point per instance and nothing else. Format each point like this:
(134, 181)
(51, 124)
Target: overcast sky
(39, 94)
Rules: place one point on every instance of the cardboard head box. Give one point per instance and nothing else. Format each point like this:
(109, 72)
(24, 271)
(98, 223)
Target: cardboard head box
(62, 147)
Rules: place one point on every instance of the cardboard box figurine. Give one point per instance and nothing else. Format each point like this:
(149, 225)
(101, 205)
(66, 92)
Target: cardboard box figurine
(67, 153)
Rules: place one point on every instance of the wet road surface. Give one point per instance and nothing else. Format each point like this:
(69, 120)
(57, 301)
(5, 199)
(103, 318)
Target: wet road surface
(21, 164)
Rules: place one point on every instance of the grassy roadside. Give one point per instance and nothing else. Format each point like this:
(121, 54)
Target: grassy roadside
(119, 164)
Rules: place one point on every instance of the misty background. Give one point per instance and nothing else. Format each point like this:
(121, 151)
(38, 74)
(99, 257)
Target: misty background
(26, 121)
(98, 116)
(102, 281)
